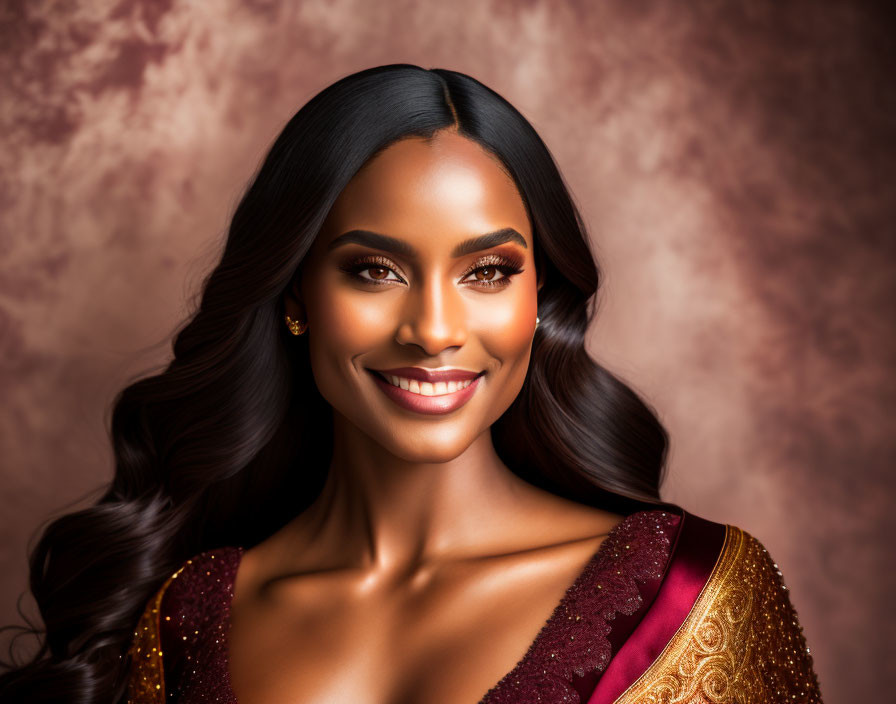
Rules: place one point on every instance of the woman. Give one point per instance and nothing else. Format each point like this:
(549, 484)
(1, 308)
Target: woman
(382, 467)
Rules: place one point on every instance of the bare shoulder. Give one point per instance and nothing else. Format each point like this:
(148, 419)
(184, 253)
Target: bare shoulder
(554, 519)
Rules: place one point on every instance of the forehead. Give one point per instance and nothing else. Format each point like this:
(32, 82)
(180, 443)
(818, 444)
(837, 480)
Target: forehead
(431, 191)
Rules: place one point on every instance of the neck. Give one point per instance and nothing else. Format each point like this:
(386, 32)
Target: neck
(383, 512)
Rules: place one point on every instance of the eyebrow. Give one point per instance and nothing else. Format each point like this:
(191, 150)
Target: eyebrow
(375, 240)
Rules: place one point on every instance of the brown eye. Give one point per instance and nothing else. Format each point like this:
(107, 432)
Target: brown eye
(372, 270)
(494, 271)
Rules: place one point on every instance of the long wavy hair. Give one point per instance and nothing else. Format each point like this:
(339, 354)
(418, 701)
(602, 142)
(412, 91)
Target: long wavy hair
(215, 449)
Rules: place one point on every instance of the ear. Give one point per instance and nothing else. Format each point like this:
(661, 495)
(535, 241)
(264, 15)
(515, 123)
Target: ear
(293, 303)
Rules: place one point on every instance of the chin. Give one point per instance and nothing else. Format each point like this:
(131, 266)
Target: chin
(429, 448)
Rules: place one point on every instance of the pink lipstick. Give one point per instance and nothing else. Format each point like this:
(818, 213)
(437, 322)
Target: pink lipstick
(428, 391)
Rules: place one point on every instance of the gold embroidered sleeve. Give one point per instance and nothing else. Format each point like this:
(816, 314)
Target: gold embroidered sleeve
(741, 643)
(146, 679)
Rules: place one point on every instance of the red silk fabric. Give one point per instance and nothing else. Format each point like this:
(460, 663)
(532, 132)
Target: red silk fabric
(697, 548)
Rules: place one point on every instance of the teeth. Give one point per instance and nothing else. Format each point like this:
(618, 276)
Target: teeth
(425, 388)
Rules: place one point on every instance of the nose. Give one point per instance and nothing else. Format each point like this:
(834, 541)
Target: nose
(434, 318)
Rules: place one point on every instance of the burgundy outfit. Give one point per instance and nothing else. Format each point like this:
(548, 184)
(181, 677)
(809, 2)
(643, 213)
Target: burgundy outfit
(671, 607)
(579, 639)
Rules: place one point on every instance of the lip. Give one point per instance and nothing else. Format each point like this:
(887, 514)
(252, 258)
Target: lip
(430, 375)
(432, 405)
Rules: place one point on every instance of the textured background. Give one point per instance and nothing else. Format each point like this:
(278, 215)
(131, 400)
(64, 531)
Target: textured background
(734, 161)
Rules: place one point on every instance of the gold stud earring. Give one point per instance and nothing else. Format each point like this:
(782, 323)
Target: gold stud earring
(296, 327)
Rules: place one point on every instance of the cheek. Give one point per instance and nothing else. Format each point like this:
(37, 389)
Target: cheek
(345, 320)
(505, 330)
(506, 326)
(343, 325)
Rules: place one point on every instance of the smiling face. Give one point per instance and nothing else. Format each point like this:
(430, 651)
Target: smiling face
(425, 261)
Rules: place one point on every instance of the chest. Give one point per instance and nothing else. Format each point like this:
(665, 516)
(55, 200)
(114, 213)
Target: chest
(529, 630)
(449, 641)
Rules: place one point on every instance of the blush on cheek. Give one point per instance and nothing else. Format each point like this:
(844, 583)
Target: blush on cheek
(506, 332)
(512, 322)
(352, 324)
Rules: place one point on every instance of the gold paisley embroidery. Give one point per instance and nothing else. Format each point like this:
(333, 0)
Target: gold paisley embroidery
(146, 680)
(740, 644)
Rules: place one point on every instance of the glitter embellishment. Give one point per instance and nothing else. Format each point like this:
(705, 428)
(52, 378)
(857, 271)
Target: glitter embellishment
(741, 642)
(146, 682)
(189, 614)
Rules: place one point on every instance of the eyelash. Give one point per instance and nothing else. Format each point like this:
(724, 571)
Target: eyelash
(507, 265)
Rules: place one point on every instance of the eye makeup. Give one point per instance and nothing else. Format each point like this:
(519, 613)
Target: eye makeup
(507, 264)
(354, 267)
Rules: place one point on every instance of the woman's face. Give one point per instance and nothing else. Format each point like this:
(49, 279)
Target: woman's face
(397, 279)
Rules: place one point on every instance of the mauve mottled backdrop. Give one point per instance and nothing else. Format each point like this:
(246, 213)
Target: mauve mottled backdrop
(734, 161)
